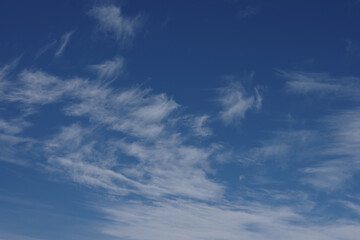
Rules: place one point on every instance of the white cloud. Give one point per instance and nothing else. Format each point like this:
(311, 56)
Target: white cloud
(236, 102)
(109, 69)
(198, 126)
(342, 150)
(283, 145)
(112, 21)
(8, 236)
(13, 126)
(323, 83)
(4, 72)
(14, 149)
(188, 220)
(143, 130)
(63, 42)
(35, 88)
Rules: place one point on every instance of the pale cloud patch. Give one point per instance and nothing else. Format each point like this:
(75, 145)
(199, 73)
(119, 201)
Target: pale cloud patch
(111, 20)
(10, 236)
(13, 126)
(109, 69)
(283, 145)
(36, 88)
(63, 42)
(45, 49)
(342, 149)
(236, 101)
(199, 126)
(323, 83)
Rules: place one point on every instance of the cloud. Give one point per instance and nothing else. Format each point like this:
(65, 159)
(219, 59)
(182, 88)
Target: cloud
(45, 48)
(63, 42)
(112, 21)
(109, 69)
(236, 102)
(283, 145)
(338, 157)
(142, 127)
(198, 126)
(4, 72)
(342, 150)
(189, 220)
(13, 126)
(35, 87)
(7, 236)
(323, 83)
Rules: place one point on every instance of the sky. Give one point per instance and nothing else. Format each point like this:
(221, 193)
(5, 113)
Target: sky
(182, 120)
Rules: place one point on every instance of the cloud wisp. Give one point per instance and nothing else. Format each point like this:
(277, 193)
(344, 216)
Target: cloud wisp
(111, 20)
(110, 69)
(63, 43)
(339, 155)
(235, 102)
(141, 123)
(181, 219)
(322, 83)
(342, 151)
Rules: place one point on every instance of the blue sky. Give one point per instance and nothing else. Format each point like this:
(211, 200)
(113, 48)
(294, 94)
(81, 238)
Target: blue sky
(183, 120)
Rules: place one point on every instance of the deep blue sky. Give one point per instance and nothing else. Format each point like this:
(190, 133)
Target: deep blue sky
(184, 120)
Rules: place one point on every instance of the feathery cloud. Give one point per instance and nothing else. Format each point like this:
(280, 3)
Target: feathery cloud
(323, 83)
(342, 149)
(112, 21)
(109, 69)
(236, 102)
(189, 220)
(63, 42)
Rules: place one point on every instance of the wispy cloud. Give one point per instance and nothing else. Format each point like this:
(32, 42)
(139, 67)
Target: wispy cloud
(109, 69)
(112, 21)
(339, 155)
(35, 87)
(236, 101)
(342, 150)
(45, 48)
(323, 83)
(164, 165)
(63, 42)
(283, 145)
(13, 126)
(179, 220)
(199, 126)
(4, 72)
(7, 236)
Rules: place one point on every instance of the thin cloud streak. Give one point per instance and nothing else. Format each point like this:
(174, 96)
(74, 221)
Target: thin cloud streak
(63, 43)
(45, 48)
(323, 83)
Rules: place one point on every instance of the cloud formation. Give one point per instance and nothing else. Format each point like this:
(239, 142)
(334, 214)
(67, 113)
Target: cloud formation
(63, 42)
(235, 102)
(111, 20)
(322, 83)
(109, 69)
